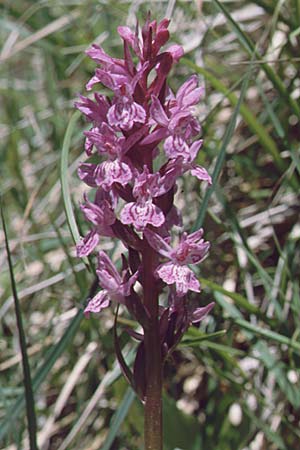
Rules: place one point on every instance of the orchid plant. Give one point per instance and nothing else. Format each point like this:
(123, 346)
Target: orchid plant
(145, 138)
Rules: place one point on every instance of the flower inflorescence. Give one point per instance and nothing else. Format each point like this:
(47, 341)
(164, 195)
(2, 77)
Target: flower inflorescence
(143, 125)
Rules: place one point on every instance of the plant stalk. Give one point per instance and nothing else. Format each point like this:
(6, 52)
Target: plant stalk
(153, 432)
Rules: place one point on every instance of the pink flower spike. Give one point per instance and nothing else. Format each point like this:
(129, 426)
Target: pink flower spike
(142, 137)
(116, 286)
(97, 303)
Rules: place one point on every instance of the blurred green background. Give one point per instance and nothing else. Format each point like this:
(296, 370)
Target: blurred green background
(235, 390)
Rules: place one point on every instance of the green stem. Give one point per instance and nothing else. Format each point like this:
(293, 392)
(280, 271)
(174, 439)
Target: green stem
(153, 433)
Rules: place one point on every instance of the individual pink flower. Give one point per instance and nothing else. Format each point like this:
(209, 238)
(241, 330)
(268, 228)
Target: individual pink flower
(115, 287)
(113, 72)
(115, 169)
(95, 305)
(94, 111)
(106, 141)
(110, 172)
(190, 250)
(179, 166)
(125, 112)
(102, 217)
(99, 214)
(175, 120)
(143, 211)
(186, 311)
(87, 244)
(188, 95)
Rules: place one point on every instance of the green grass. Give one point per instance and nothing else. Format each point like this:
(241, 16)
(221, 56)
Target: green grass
(246, 355)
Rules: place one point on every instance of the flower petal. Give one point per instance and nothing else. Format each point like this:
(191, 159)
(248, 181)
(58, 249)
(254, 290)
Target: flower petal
(158, 243)
(97, 303)
(98, 214)
(107, 273)
(200, 313)
(176, 51)
(87, 244)
(189, 94)
(94, 111)
(126, 287)
(87, 173)
(201, 173)
(157, 113)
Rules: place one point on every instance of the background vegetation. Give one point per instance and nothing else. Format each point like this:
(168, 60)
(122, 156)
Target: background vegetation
(237, 389)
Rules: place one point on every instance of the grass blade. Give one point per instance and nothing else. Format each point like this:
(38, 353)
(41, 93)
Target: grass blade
(221, 157)
(118, 418)
(30, 407)
(51, 357)
(259, 130)
(269, 334)
(125, 369)
(64, 178)
(241, 301)
(191, 339)
(250, 48)
(238, 299)
(108, 379)
(271, 435)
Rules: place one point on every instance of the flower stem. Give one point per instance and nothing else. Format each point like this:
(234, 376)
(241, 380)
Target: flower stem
(153, 433)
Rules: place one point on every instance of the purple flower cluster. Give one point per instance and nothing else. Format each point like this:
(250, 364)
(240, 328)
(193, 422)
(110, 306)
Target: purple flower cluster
(142, 138)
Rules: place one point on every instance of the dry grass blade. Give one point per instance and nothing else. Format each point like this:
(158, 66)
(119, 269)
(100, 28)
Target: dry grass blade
(51, 28)
(108, 379)
(73, 379)
(38, 287)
